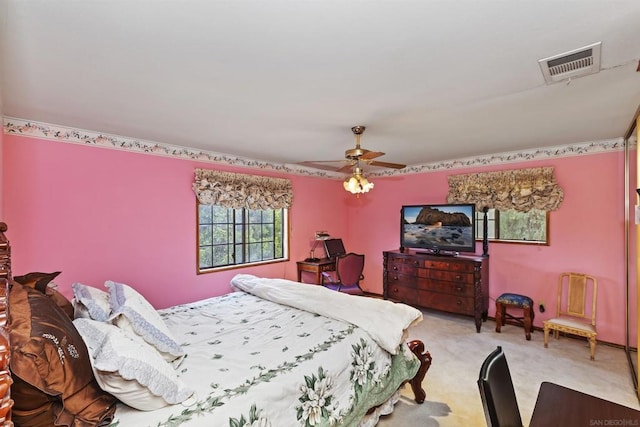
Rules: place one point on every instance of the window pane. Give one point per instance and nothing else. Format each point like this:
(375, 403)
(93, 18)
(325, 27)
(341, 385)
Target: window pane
(205, 214)
(513, 226)
(239, 234)
(220, 235)
(254, 233)
(220, 214)
(206, 257)
(239, 254)
(220, 256)
(230, 237)
(267, 250)
(267, 232)
(255, 254)
(255, 217)
(205, 235)
(491, 228)
(528, 226)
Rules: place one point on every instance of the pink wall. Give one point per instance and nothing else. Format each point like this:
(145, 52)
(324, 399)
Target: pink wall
(100, 214)
(587, 234)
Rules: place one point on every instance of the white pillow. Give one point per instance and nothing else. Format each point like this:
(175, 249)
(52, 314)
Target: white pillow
(129, 368)
(132, 312)
(90, 302)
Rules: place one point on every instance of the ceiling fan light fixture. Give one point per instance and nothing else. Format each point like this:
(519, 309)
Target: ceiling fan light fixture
(357, 184)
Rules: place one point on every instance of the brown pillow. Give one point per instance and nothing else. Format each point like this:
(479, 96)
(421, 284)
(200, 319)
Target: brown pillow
(40, 281)
(54, 382)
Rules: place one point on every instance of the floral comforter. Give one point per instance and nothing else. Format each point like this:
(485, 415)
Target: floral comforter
(256, 362)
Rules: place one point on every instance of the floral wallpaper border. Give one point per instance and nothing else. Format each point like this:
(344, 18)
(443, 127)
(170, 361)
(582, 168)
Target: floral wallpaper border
(15, 126)
(29, 128)
(578, 149)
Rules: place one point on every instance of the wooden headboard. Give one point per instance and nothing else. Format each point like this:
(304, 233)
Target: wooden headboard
(5, 375)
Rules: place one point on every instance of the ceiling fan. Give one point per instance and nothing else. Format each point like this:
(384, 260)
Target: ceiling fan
(354, 156)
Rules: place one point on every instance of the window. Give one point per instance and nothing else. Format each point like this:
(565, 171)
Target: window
(519, 202)
(242, 219)
(512, 226)
(230, 237)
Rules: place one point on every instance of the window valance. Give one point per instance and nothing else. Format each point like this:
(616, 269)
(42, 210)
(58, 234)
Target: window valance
(235, 190)
(520, 190)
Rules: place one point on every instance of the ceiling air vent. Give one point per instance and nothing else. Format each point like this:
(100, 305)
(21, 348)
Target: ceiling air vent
(572, 64)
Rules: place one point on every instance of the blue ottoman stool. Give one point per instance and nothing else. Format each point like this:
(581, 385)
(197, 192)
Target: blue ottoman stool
(523, 302)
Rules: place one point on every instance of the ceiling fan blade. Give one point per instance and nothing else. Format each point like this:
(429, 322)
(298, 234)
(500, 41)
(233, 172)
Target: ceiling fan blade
(386, 164)
(319, 165)
(346, 168)
(368, 155)
(309, 162)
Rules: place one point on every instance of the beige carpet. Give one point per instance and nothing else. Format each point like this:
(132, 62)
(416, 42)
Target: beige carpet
(458, 351)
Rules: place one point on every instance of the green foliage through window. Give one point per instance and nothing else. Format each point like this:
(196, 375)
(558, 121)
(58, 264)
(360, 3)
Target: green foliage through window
(514, 226)
(228, 237)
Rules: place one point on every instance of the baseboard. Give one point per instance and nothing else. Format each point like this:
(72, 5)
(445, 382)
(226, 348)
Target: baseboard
(535, 328)
(576, 337)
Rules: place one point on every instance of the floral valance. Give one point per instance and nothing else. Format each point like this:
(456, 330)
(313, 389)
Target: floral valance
(235, 190)
(520, 190)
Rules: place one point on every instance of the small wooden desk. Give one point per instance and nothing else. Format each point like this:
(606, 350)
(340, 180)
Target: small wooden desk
(562, 406)
(317, 267)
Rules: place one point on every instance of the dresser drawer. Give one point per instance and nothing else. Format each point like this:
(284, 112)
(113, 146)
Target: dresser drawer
(445, 287)
(401, 267)
(446, 302)
(394, 278)
(403, 264)
(405, 294)
(450, 266)
(451, 276)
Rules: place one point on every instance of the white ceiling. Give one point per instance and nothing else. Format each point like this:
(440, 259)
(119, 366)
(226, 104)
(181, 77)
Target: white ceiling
(284, 81)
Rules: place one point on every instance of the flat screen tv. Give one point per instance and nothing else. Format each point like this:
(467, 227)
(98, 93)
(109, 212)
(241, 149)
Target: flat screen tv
(443, 229)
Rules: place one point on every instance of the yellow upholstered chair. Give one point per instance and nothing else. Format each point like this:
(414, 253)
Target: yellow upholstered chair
(574, 313)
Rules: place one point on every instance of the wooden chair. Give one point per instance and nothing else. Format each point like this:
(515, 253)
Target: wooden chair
(348, 274)
(497, 393)
(572, 316)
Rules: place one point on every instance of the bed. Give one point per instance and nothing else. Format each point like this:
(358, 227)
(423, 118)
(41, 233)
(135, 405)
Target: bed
(266, 354)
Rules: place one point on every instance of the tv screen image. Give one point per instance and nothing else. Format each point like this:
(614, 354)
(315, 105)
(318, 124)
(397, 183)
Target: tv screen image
(441, 229)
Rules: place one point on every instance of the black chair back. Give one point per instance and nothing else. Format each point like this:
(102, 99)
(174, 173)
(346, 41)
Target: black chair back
(497, 392)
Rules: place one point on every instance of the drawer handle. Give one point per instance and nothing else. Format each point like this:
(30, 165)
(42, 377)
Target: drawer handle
(459, 302)
(459, 289)
(416, 263)
(458, 277)
(395, 267)
(395, 290)
(395, 277)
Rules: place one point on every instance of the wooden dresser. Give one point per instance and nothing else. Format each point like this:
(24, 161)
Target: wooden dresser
(457, 284)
